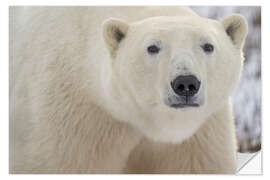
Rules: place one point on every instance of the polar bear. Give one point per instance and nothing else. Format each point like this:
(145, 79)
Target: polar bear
(122, 90)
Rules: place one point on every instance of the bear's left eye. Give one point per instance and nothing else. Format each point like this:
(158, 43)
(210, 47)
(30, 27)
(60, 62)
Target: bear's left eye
(153, 49)
(207, 47)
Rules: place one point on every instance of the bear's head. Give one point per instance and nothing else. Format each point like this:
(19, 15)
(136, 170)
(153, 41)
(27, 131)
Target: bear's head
(168, 74)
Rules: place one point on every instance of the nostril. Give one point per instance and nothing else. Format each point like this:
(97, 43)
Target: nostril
(181, 87)
(191, 87)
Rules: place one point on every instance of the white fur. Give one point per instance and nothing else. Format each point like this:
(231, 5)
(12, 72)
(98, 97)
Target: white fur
(82, 100)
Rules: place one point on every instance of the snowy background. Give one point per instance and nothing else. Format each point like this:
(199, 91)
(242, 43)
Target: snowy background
(247, 98)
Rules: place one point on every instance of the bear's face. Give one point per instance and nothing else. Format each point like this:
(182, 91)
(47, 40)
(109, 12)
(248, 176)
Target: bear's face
(171, 73)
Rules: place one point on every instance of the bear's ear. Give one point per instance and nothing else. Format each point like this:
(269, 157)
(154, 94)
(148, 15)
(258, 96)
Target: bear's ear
(236, 28)
(114, 31)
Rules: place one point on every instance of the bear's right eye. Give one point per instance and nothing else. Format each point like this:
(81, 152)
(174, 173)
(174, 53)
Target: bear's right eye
(208, 48)
(153, 49)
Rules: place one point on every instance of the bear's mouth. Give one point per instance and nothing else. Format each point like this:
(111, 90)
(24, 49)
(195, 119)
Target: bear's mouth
(184, 105)
(182, 102)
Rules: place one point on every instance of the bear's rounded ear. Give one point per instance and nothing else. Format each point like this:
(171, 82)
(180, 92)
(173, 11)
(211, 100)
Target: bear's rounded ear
(114, 31)
(236, 28)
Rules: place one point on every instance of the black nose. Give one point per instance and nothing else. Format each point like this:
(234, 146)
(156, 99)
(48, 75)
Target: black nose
(186, 85)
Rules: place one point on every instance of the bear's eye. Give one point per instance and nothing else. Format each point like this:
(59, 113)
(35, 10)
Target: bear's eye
(153, 49)
(207, 47)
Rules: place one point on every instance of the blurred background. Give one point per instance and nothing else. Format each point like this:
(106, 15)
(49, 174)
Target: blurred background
(247, 97)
